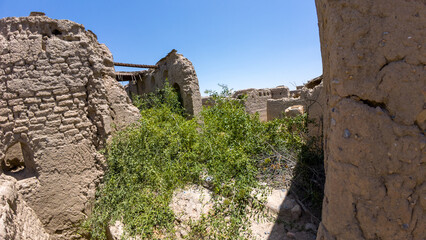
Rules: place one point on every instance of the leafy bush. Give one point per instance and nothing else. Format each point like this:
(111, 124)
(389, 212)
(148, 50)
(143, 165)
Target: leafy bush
(165, 151)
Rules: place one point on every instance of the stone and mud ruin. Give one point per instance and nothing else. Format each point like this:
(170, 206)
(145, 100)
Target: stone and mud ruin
(177, 71)
(60, 102)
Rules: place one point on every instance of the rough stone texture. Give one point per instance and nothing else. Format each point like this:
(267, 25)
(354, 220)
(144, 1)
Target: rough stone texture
(180, 73)
(116, 231)
(59, 103)
(17, 220)
(374, 57)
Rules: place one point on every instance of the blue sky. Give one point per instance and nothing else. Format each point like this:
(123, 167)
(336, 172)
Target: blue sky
(240, 43)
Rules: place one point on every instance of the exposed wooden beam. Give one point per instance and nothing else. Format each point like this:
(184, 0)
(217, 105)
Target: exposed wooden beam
(134, 65)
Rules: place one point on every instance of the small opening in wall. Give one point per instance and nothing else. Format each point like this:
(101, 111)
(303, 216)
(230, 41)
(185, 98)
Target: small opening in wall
(152, 83)
(18, 161)
(260, 94)
(166, 75)
(56, 32)
(177, 89)
(141, 86)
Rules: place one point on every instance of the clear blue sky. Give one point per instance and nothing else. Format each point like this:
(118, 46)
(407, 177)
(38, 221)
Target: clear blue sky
(240, 43)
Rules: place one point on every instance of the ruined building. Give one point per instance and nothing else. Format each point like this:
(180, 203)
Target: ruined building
(59, 103)
(256, 99)
(272, 103)
(309, 99)
(175, 69)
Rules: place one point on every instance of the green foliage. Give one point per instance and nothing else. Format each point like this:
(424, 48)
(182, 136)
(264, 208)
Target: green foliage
(162, 97)
(309, 176)
(166, 151)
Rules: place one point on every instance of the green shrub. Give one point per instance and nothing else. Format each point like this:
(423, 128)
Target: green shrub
(166, 151)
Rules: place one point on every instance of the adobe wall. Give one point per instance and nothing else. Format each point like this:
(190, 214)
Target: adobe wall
(181, 75)
(59, 103)
(312, 97)
(374, 57)
(256, 100)
(276, 107)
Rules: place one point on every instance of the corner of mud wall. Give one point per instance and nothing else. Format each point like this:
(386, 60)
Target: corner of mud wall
(374, 57)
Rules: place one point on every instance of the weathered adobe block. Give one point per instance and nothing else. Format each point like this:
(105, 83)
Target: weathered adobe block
(374, 58)
(59, 102)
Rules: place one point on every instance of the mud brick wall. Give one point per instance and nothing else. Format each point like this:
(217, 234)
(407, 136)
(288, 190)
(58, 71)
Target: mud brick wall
(59, 103)
(374, 55)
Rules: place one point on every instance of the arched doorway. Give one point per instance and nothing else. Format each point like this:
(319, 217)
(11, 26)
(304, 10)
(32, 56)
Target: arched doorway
(176, 87)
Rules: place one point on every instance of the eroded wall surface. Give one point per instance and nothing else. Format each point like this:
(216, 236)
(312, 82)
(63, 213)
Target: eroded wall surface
(374, 57)
(59, 103)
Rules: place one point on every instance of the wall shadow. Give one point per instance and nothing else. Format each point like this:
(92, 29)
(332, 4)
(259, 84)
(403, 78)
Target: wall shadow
(306, 191)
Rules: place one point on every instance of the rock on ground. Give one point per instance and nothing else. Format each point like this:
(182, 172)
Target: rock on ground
(17, 220)
(190, 203)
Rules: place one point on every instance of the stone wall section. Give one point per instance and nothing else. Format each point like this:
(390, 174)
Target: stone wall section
(59, 103)
(374, 59)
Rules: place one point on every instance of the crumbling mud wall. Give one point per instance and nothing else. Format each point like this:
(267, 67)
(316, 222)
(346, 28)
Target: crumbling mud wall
(255, 100)
(59, 103)
(311, 97)
(180, 74)
(277, 107)
(374, 57)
